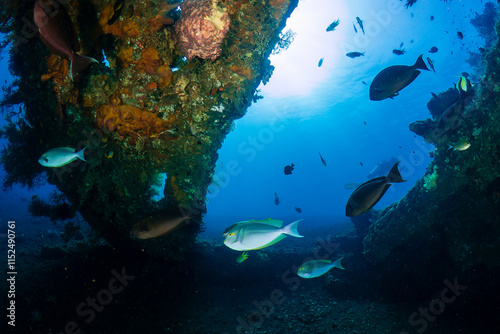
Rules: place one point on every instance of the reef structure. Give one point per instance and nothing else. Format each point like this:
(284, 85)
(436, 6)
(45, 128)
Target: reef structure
(162, 106)
(449, 222)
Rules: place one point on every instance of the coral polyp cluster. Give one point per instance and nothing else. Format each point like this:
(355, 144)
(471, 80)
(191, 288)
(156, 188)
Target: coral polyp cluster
(202, 29)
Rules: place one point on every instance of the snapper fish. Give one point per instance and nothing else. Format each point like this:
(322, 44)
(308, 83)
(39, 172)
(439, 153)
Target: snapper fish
(258, 234)
(58, 34)
(389, 81)
(316, 268)
(61, 156)
(369, 193)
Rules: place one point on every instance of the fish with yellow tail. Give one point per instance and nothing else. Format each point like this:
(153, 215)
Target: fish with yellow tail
(61, 156)
(258, 234)
(316, 268)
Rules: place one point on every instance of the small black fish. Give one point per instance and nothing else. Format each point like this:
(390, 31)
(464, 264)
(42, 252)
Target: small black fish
(431, 64)
(322, 160)
(355, 54)
(433, 50)
(288, 169)
(361, 164)
(364, 83)
(364, 123)
(360, 24)
(401, 45)
(399, 52)
(432, 18)
(355, 30)
(276, 199)
(320, 62)
(333, 25)
(299, 210)
(460, 35)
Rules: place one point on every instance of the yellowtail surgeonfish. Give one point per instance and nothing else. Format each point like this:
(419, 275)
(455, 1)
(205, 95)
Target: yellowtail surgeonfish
(316, 268)
(58, 157)
(242, 257)
(257, 234)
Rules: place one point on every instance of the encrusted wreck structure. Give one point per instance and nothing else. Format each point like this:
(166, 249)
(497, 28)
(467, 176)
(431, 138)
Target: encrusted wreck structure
(178, 75)
(448, 224)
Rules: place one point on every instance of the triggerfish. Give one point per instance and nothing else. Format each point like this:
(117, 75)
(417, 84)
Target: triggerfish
(155, 226)
(391, 80)
(58, 34)
(369, 193)
(58, 157)
(316, 268)
(258, 234)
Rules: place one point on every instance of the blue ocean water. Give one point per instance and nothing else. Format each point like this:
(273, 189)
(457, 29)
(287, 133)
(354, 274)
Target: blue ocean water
(308, 109)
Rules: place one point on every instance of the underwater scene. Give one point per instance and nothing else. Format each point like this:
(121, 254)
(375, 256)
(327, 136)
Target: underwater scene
(250, 166)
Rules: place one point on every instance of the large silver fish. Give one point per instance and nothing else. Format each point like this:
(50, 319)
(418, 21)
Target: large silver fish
(391, 80)
(370, 192)
(257, 234)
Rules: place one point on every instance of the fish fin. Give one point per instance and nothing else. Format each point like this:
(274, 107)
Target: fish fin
(394, 175)
(79, 154)
(270, 221)
(337, 263)
(79, 63)
(421, 64)
(291, 229)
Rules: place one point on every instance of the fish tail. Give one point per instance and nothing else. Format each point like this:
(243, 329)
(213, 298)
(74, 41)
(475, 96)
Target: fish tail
(421, 64)
(291, 229)
(337, 263)
(394, 175)
(79, 154)
(79, 63)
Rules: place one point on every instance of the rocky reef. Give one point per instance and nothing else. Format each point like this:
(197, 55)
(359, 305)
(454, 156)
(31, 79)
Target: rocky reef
(448, 224)
(160, 108)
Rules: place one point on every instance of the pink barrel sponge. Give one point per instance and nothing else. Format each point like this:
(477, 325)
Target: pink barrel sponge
(202, 28)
